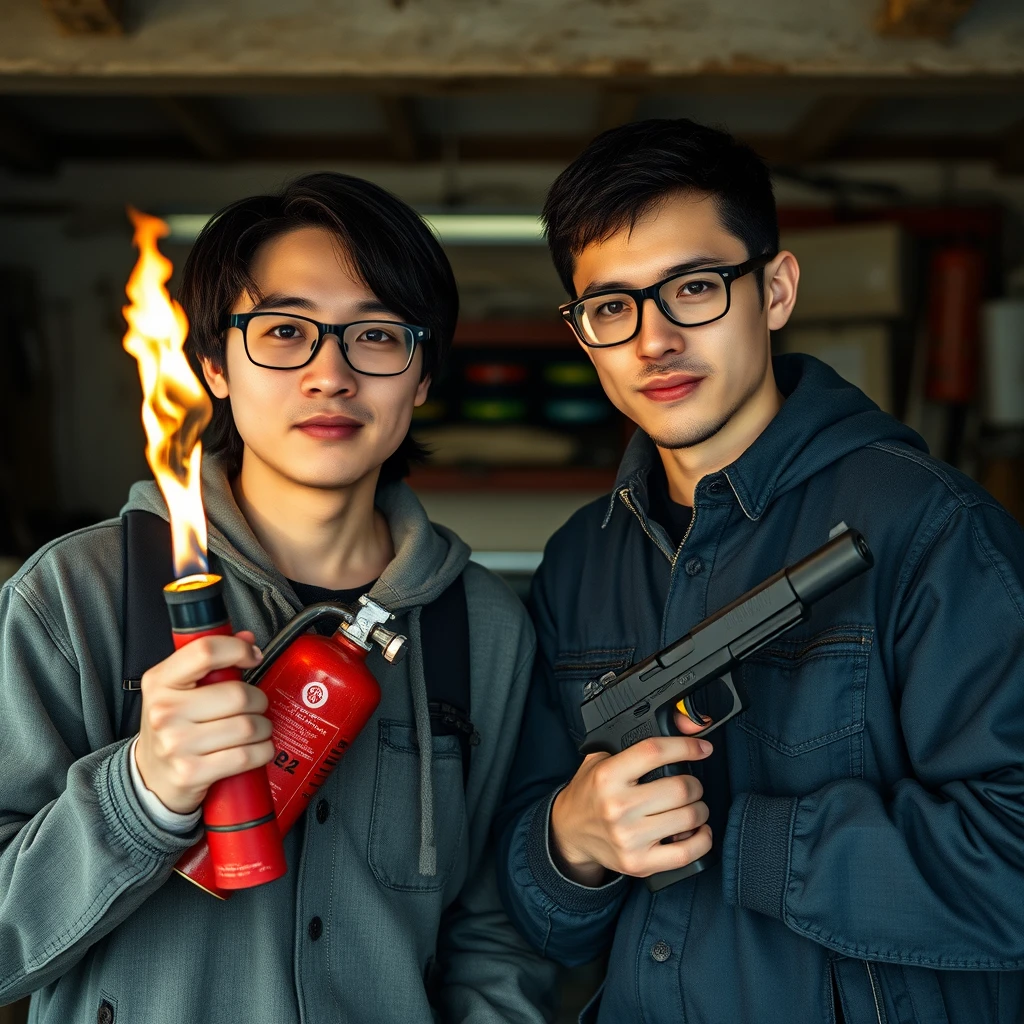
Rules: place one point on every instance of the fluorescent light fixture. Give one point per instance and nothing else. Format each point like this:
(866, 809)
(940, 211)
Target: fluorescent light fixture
(451, 228)
(185, 226)
(487, 228)
(508, 561)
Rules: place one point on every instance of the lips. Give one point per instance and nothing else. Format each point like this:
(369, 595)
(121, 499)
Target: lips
(671, 388)
(329, 428)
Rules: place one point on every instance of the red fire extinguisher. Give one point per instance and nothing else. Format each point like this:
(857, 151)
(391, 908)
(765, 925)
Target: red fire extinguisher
(320, 696)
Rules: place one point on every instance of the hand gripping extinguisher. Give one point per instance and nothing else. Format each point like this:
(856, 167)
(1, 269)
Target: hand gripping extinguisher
(320, 695)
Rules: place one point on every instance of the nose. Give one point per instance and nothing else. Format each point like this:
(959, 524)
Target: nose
(329, 372)
(657, 336)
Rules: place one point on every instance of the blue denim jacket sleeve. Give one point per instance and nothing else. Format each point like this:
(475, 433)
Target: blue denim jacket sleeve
(568, 922)
(930, 873)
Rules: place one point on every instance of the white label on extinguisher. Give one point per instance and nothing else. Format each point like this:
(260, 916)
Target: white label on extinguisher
(314, 695)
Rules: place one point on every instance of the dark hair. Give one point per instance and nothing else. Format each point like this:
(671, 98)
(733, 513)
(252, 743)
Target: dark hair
(391, 248)
(626, 171)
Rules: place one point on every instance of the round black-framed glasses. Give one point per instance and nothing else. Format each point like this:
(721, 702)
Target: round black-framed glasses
(698, 297)
(286, 341)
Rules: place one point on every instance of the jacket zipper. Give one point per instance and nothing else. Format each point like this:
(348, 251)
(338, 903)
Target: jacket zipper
(627, 501)
(874, 992)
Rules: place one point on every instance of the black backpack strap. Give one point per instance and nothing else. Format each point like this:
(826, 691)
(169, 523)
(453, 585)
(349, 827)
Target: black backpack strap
(444, 636)
(148, 566)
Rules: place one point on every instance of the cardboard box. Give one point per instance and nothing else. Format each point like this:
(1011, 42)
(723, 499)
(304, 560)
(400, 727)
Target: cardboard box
(855, 271)
(859, 353)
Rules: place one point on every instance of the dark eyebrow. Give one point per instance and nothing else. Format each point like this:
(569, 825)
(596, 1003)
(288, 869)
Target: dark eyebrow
(278, 300)
(698, 262)
(368, 306)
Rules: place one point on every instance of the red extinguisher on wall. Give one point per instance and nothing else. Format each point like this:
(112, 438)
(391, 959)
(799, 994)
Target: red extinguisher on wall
(320, 696)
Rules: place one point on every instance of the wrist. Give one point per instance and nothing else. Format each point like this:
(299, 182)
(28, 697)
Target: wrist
(147, 776)
(570, 860)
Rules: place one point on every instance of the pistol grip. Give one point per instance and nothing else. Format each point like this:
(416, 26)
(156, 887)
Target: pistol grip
(666, 878)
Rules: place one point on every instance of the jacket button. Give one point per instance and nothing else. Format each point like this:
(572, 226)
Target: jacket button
(661, 951)
(715, 487)
(323, 809)
(694, 567)
(316, 928)
(105, 1014)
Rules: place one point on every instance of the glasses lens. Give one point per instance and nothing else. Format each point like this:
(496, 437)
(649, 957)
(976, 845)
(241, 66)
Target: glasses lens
(606, 319)
(695, 298)
(377, 346)
(278, 340)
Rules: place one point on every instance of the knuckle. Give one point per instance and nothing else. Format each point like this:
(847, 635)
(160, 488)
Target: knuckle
(650, 748)
(631, 864)
(601, 776)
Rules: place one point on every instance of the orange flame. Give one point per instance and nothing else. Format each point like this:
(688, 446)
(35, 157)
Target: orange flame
(175, 407)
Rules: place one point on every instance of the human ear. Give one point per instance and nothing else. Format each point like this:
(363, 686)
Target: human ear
(781, 278)
(216, 378)
(421, 391)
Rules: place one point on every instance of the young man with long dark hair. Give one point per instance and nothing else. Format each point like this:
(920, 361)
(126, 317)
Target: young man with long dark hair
(318, 316)
(867, 809)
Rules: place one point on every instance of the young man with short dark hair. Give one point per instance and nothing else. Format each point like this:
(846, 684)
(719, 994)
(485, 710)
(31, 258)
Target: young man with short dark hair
(318, 316)
(867, 809)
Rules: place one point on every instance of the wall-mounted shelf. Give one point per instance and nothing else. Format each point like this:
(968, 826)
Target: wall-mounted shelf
(496, 478)
(545, 333)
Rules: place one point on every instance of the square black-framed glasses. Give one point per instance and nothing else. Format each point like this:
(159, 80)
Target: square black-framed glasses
(412, 334)
(573, 312)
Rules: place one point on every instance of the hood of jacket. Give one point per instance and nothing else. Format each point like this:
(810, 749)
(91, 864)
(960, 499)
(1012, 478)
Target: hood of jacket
(428, 557)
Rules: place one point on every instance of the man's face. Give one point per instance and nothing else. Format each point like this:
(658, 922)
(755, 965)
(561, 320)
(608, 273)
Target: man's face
(323, 424)
(681, 385)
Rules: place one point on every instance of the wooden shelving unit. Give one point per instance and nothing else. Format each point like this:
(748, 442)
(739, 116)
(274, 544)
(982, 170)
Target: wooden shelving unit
(549, 333)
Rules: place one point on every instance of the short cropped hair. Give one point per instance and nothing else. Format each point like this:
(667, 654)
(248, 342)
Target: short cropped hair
(388, 244)
(626, 171)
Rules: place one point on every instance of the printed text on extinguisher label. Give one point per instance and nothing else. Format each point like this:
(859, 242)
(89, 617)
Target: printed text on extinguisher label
(302, 738)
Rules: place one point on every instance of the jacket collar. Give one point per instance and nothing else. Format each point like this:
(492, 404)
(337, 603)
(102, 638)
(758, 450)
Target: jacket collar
(822, 419)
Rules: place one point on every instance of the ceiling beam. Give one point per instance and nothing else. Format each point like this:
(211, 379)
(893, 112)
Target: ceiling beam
(22, 148)
(922, 19)
(86, 17)
(400, 118)
(822, 128)
(617, 106)
(792, 85)
(499, 148)
(199, 122)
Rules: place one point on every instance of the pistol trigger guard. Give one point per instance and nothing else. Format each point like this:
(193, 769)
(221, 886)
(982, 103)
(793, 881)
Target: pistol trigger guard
(738, 705)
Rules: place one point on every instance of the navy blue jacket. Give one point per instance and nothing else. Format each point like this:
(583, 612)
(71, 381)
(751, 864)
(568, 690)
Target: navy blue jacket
(874, 846)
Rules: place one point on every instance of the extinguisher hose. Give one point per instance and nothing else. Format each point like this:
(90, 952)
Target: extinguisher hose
(296, 627)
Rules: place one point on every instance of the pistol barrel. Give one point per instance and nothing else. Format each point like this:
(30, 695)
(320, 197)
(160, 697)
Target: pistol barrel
(828, 568)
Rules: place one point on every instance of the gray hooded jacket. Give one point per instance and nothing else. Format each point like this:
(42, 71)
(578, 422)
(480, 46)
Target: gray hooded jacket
(399, 874)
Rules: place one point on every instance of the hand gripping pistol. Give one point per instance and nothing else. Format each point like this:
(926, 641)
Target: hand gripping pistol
(620, 710)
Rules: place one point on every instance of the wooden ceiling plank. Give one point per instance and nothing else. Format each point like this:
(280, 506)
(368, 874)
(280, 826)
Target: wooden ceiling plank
(199, 122)
(824, 126)
(86, 17)
(922, 19)
(403, 135)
